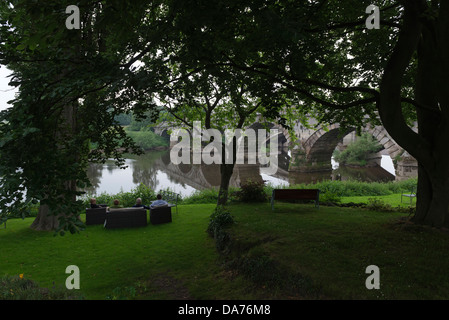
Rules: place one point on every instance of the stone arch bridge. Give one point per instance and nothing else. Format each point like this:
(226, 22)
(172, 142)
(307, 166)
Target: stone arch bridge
(312, 149)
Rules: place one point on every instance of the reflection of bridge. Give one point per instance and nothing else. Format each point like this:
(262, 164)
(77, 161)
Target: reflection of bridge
(200, 176)
(312, 151)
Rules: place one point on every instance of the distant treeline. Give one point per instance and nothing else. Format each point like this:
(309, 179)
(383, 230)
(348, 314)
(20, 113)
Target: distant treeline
(141, 132)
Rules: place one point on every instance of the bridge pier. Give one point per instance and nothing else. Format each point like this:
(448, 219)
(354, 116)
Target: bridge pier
(300, 162)
(406, 167)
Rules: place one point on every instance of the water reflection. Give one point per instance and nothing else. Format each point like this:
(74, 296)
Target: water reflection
(155, 170)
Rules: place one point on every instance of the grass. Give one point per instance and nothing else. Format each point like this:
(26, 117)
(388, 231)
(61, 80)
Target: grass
(147, 259)
(332, 247)
(295, 252)
(394, 200)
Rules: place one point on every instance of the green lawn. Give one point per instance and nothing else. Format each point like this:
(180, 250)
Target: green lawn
(393, 199)
(332, 246)
(323, 252)
(159, 261)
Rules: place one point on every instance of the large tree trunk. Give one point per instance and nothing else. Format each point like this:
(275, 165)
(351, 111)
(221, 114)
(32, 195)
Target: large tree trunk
(429, 145)
(226, 171)
(431, 91)
(45, 220)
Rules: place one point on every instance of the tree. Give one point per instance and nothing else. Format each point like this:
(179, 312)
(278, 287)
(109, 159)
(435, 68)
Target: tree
(342, 72)
(220, 98)
(319, 54)
(65, 81)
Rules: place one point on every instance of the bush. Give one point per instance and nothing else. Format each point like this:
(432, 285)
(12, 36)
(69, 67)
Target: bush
(219, 220)
(127, 199)
(202, 196)
(19, 288)
(352, 188)
(329, 197)
(209, 196)
(252, 191)
(378, 205)
(356, 153)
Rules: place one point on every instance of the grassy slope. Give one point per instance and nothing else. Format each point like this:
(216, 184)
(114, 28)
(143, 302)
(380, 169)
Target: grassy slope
(333, 246)
(330, 245)
(145, 258)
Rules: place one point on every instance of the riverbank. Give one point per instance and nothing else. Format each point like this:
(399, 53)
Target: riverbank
(331, 192)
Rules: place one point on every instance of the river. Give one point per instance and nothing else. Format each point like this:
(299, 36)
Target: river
(156, 170)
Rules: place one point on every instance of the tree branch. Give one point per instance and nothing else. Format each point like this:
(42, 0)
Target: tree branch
(389, 105)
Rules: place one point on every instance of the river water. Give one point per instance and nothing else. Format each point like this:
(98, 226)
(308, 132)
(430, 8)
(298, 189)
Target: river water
(155, 170)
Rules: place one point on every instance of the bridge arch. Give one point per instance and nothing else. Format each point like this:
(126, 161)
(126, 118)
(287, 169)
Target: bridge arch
(316, 151)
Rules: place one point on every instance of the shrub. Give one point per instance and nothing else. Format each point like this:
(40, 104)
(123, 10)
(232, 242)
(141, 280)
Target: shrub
(127, 199)
(351, 188)
(378, 205)
(356, 153)
(252, 191)
(219, 220)
(202, 196)
(329, 197)
(209, 196)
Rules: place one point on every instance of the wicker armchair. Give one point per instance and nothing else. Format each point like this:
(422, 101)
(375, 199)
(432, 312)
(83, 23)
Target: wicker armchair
(171, 197)
(95, 215)
(160, 215)
(126, 218)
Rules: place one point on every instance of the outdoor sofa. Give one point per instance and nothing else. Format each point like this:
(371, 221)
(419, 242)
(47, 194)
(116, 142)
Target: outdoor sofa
(125, 218)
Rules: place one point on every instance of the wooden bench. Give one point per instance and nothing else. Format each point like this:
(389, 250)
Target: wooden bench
(295, 194)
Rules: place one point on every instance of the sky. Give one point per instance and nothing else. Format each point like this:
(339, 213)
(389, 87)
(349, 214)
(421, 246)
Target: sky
(6, 92)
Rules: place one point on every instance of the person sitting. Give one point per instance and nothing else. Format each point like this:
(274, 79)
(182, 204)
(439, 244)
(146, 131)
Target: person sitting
(140, 205)
(158, 203)
(94, 205)
(116, 204)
